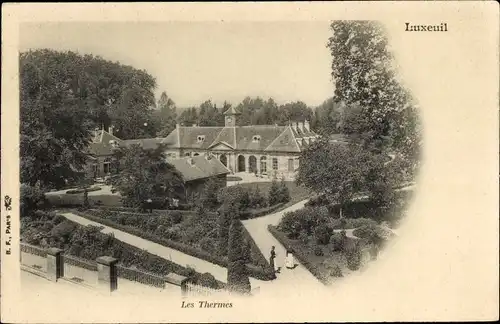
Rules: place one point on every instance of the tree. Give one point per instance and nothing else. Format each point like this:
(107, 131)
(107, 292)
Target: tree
(338, 171)
(145, 174)
(274, 193)
(226, 214)
(284, 192)
(209, 195)
(167, 114)
(63, 96)
(237, 273)
(378, 107)
(188, 117)
(294, 111)
(326, 117)
(209, 115)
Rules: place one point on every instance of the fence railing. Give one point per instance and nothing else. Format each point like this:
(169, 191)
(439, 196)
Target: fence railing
(79, 262)
(31, 249)
(196, 290)
(53, 264)
(141, 276)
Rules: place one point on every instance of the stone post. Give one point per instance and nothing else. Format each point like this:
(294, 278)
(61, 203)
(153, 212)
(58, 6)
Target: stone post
(107, 278)
(55, 264)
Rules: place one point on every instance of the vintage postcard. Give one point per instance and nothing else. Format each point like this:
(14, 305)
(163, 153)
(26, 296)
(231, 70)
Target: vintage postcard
(250, 162)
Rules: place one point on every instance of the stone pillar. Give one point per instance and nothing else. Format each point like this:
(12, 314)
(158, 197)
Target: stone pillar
(247, 163)
(55, 264)
(107, 277)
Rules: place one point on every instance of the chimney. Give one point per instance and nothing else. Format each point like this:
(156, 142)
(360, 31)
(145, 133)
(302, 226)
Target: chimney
(301, 127)
(294, 126)
(306, 125)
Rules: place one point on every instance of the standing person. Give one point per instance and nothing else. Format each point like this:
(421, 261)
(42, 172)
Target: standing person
(272, 260)
(289, 260)
(150, 205)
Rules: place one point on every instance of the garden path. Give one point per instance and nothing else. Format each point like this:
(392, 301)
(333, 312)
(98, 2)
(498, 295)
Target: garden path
(296, 280)
(220, 273)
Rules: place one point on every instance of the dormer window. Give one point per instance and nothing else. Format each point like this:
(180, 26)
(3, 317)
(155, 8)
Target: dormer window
(256, 138)
(200, 138)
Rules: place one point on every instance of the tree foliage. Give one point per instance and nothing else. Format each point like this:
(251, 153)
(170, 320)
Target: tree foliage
(63, 96)
(237, 273)
(378, 109)
(145, 174)
(166, 114)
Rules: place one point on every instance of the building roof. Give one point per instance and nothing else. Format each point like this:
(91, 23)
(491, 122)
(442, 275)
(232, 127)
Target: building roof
(102, 143)
(198, 167)
(145, 143)
(264, 138)
(232, 111)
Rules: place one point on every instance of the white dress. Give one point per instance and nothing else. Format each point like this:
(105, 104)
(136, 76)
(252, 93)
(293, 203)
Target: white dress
(289, 261)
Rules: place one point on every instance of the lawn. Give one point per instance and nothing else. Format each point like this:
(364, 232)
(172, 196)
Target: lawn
(297, 193)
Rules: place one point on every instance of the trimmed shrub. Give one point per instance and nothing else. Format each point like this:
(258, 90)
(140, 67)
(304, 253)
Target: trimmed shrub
(322, 234)
(237, 277)
(208, 280)
(336, 272)
(353, 256)
(338, 240)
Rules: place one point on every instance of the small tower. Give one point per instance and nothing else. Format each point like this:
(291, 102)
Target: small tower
(230, 117)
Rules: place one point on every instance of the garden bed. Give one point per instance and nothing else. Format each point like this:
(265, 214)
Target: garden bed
(168, 230)
(48, 230)
(321, 266)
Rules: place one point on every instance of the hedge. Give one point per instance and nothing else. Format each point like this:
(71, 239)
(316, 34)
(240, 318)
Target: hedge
(303, 259)
(260, 259)
(137, 211)
(184, 248)
(253, 213)
(79, 191)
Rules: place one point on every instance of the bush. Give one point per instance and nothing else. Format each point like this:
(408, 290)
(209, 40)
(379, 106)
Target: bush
(303, 237)
(63, 230)
(170, 238)
(31, 197)
(208, 244)
(256, 199)
(353, 256)
(234, 195)
(322, 234)
(318, 251)
(338, 240)
(207, 280)
(336, 272)
(176, 217)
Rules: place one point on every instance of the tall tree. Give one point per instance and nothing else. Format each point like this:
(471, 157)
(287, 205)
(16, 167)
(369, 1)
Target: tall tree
(366, 79)
(55, 122)
(166, 111)
(145, 174)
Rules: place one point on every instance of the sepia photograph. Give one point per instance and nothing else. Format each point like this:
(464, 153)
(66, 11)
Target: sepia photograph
(213, 164)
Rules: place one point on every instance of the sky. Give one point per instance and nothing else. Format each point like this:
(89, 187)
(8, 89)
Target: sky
(197, 61)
